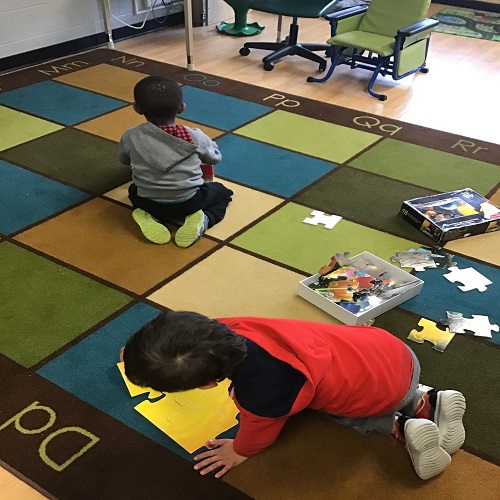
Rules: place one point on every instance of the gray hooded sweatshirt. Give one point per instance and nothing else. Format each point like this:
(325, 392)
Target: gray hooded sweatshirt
(165, 167)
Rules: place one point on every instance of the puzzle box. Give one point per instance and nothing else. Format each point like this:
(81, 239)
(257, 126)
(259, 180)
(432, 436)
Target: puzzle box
(449, 216)
(349, 318)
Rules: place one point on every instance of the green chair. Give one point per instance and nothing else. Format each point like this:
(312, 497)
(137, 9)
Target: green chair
(290, 46)
(240, 26)
(389, 37)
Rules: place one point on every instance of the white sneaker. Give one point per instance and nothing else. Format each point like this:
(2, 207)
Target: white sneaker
(422, 443)
(448, 414)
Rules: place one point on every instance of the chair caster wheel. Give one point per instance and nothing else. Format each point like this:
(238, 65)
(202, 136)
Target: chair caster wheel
(268, 66)
(322, 67)
(244, 51)
(382, 98)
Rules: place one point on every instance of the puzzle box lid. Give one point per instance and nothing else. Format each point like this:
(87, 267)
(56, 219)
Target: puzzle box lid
(452, 215)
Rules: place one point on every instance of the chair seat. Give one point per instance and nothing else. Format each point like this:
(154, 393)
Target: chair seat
(293, 8)
(379, 44)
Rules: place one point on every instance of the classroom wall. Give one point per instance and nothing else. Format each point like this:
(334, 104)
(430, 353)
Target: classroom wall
(27, 25)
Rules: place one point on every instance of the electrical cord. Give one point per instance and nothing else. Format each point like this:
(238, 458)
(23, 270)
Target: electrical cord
(150, 10)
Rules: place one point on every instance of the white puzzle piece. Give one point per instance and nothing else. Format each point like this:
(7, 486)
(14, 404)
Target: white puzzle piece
(470, 278)
(479, 325)
(318, 217)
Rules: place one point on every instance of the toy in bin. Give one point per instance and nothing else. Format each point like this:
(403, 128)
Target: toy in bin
(355, 284)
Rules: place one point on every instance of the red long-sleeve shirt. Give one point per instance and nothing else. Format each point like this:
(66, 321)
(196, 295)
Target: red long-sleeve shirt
(353, 371)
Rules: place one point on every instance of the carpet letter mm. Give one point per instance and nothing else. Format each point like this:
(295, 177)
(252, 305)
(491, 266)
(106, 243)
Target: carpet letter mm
(42, 450)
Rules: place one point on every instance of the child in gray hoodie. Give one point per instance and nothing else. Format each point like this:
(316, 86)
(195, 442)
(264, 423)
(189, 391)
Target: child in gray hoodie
(167, 178)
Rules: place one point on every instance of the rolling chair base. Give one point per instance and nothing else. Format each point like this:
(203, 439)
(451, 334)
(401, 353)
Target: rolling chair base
(289, 47)
(282, 50)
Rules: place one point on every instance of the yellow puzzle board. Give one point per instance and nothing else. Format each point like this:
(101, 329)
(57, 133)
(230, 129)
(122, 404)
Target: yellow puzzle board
(190, 418)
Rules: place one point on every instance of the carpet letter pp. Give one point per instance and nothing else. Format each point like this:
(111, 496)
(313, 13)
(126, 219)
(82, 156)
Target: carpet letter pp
(42, 450)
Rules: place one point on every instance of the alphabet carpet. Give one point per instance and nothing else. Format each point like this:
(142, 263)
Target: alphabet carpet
(77, 278)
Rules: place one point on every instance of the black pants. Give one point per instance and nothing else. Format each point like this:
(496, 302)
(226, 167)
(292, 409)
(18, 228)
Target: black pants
(212, 197)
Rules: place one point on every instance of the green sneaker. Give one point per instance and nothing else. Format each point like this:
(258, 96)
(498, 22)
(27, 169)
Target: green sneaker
(152, 230)
(192, 229)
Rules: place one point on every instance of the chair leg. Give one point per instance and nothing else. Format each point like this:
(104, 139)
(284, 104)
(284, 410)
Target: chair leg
(376, 71)
(335, 60)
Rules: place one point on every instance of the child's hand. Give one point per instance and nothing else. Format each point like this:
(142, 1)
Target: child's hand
(221, 454)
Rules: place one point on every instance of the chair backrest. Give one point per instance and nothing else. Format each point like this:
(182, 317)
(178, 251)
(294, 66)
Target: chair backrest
(386, 17)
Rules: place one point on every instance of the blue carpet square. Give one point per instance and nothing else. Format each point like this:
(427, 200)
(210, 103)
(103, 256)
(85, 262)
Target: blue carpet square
(59, 102)
(28, 197)
(88, 370)
(438, 295)
(219, 111)
(267, 167)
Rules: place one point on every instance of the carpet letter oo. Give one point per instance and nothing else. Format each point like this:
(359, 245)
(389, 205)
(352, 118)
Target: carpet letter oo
(42, 450)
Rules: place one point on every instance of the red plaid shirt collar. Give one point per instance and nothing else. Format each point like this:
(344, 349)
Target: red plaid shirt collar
(179, 131)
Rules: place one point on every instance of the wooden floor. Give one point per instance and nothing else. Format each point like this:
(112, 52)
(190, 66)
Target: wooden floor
(460, 94)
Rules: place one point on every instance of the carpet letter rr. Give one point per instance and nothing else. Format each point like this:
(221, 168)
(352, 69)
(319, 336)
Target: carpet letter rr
(467, 146)
(371, 122)
(42, 450)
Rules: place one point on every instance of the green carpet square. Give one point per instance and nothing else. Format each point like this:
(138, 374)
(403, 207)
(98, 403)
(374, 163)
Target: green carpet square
(79, 159)
(366, 198)
(44, 306)
(18, 128)
(285, 238)
(428, 167)
(309, 136)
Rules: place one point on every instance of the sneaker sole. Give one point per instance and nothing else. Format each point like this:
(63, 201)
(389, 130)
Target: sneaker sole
(189, 232)
(422, 443)
(450, 409)
(152, 230)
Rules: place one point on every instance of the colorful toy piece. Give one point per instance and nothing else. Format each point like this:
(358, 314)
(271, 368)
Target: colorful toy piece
(431, 333)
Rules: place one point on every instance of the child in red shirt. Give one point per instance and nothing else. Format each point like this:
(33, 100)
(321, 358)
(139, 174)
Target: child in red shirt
(364, 377)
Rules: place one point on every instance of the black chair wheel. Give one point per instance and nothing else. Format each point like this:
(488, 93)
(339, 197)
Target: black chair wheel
(244, 51)
(268, 66)
(424, 70)
(382, 98)
(322, 66)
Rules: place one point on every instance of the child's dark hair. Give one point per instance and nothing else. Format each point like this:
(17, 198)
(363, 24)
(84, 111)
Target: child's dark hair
(159, 98)
(181, 350)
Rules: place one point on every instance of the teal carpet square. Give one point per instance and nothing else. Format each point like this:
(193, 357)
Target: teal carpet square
(219, 111)
(88, 370)
(267, 167)
(59, 102)
(28, 197)
(439, 295)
